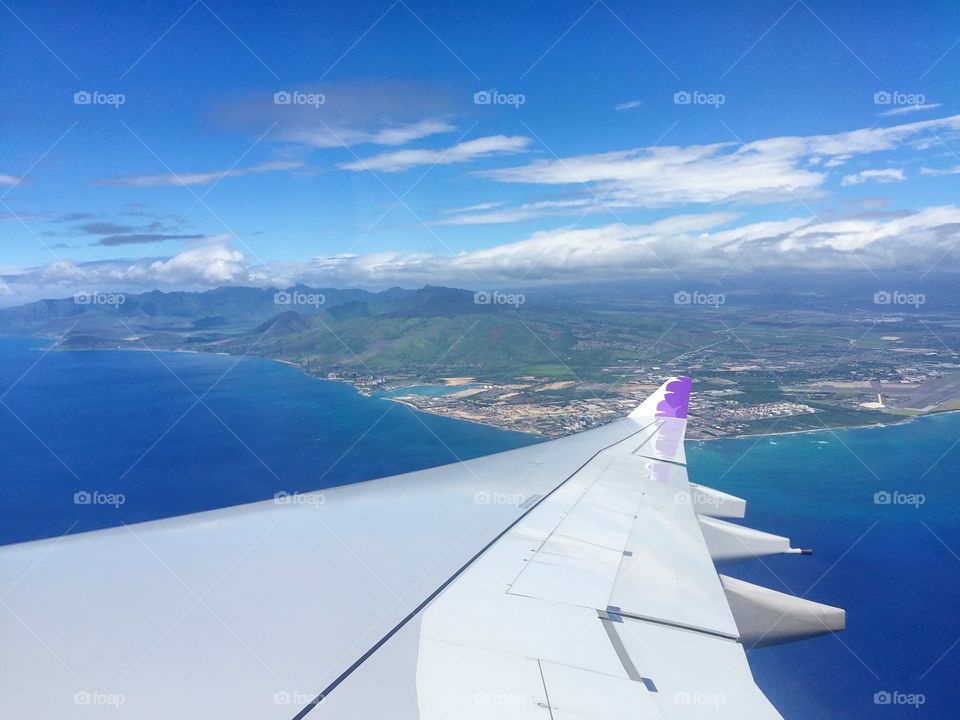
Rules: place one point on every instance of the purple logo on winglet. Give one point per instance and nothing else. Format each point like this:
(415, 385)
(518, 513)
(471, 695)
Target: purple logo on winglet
(675, 400)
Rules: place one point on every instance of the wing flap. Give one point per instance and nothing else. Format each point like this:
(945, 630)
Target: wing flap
(668, 574)
(696, 675)
(575, 694)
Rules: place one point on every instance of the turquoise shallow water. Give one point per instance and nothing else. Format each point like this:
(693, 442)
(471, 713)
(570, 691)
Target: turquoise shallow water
(428, 390)
(127, 423)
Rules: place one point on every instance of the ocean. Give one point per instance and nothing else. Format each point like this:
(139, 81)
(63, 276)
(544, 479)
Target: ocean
(173, 433)
(881, 509)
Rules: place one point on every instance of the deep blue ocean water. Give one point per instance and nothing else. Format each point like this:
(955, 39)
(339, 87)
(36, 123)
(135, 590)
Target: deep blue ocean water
(123, 422)
(893, 567)
(126, 422)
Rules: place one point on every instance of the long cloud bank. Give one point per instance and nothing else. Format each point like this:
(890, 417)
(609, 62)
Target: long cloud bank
(710, 243)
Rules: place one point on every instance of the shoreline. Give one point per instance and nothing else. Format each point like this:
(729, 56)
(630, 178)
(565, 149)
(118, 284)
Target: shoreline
(368, 394)
(869, 426)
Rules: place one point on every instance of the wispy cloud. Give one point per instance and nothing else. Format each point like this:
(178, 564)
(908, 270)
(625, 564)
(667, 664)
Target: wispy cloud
(888, 175)
(142, 239)
(104, 228)
(629, 105)
(768, 170)
(472, 208)
(9, 180)
(703, 243)
(332, 137)
(905, 109)
(400, 160)
(74, 217)
(198, 178)
(375, 112)
(937, 172)
(491, 214)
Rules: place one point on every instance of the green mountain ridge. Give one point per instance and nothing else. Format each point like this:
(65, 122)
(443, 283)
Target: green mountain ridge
(321, 329)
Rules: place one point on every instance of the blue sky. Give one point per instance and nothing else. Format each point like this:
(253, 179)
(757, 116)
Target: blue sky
(621, 139)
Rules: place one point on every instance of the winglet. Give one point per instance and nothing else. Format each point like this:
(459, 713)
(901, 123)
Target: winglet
(670, 400)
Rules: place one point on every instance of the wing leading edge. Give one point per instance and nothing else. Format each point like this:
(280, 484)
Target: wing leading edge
(571, 579)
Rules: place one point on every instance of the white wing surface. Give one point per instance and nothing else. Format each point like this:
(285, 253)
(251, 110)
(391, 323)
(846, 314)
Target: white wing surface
(571, 579)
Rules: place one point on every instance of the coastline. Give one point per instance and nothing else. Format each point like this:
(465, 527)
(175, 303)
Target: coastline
(895, 420)
(868, 426)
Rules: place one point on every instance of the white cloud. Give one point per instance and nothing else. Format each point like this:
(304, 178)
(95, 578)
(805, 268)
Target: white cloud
(472, 208)
(629, 105)
(483, 214)
(888, 175)
(400, 160)
(201, 178)
(702, 243)
(9, 180)
(904, 109)
(378, 112)
(208, 265)
(326, 136)
(772, 169)
(937, 172)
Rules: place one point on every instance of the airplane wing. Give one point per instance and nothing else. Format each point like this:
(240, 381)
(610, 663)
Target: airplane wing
(575, 578)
